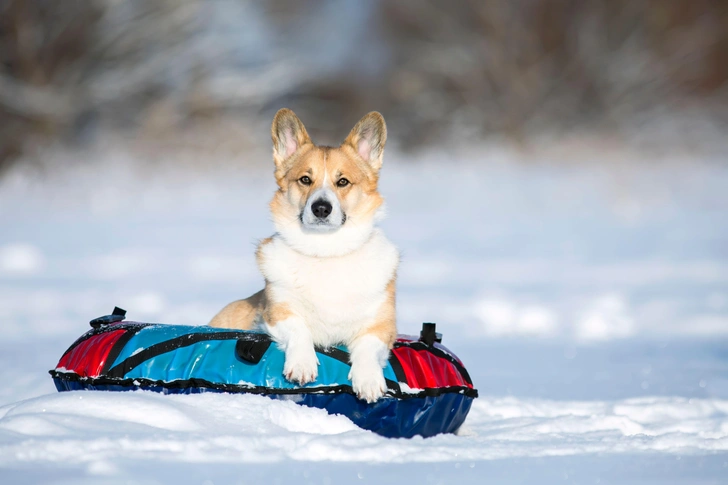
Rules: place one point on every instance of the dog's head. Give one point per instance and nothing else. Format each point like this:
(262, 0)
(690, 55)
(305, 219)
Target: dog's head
(327, 200)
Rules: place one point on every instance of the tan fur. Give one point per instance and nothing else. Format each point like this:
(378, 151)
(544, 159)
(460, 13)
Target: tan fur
(276, 312)
(241, 313)
(385, 325)
(258, 252)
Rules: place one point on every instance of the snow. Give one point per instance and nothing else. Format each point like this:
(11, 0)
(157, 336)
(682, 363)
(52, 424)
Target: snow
(588, 299)
(249, 429)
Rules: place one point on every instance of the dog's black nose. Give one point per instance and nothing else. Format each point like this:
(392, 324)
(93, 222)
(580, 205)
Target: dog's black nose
(321, 209)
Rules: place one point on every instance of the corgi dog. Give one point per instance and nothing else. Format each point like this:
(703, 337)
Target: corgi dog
(329, 272)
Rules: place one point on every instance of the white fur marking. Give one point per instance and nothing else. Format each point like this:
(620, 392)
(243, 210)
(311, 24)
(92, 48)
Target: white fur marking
(336, 297)
(326, 172)
(344, 240)
(332, 222)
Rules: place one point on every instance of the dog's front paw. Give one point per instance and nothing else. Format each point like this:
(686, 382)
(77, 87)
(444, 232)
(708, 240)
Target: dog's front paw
(368, 384)
(301, 366)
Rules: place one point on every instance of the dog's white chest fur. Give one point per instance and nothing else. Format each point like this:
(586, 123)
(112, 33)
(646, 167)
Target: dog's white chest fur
(337, 297)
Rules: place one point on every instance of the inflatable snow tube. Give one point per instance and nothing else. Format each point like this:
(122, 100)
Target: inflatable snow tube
(429, 391)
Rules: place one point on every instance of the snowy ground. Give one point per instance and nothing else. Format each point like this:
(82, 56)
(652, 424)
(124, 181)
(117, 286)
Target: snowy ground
(587, 297)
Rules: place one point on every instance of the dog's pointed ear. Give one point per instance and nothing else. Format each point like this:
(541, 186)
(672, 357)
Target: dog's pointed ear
(288, 134)
(368, 138)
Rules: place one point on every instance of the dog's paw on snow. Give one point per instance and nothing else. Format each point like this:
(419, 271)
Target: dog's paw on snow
(368, 384)
(301, 366)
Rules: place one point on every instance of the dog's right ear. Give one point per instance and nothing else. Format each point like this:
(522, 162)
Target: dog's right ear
(368, 138)
(288, 134)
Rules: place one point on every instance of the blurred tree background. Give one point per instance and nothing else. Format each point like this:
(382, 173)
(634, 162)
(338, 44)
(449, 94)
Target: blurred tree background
(166, 71)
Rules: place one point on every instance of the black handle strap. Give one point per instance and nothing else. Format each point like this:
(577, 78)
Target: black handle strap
(428, 335)
(117, 315)
(251, 350)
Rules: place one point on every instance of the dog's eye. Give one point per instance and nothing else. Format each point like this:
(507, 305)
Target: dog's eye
(305, 180)
(342, 182)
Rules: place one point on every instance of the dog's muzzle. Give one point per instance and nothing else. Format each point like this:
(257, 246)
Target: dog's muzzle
(323, 212)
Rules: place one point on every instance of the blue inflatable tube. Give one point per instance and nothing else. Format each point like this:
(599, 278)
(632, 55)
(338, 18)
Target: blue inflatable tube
(429, 391)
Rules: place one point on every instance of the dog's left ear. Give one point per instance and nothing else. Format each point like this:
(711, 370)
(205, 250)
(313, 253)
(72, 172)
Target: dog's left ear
(368, 138)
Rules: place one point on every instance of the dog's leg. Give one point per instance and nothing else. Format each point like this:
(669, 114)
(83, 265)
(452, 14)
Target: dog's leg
(240, 314)
(291, 333)
(368, 355)
(369, 351)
